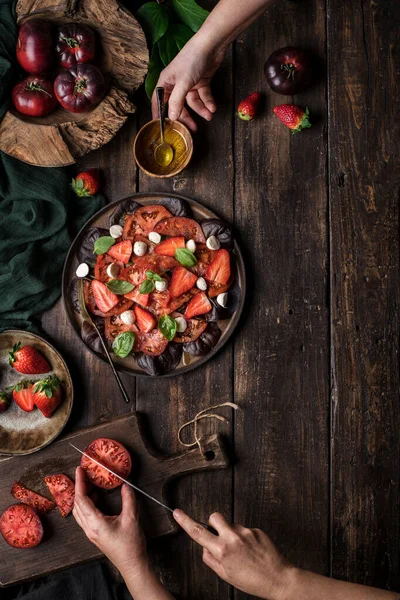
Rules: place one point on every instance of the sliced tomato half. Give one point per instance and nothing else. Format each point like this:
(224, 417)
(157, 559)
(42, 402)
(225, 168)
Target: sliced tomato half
(39, 503)
(113, 326)
(100, 269)
(218, 288)
(144, 220)
(62, 488)
(21, 527)
(192, 332)
(153, 343)
(181, 226)
(111, 454)
(156, 263)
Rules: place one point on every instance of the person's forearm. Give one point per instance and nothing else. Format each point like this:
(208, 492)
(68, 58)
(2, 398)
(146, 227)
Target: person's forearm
(227, 20)
(310, 586)
(144, 584)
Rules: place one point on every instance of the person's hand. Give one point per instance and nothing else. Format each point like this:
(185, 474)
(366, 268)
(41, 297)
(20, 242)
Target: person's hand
(245, 558)
(188, 77)
(120, 538)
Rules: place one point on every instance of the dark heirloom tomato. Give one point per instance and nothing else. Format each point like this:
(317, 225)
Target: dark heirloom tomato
(75, 44)
(79, 88)
(34, 96)
(111, 454)
(288, 71)
(35, 46)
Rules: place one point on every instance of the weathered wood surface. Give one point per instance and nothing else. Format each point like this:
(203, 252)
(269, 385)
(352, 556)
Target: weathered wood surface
(314, 364)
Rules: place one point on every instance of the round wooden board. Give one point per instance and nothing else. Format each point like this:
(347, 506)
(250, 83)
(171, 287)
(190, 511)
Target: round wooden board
(128, 365)
(61, 137)
(26, 432)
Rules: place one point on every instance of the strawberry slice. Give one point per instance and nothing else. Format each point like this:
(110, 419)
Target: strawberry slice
(220, 268)
(168, 247)
(136, 296)
(22, 393)
(121, 251)
(145, 320)
(188, 228)
(198, 305)
(182, 281)
(104, 299)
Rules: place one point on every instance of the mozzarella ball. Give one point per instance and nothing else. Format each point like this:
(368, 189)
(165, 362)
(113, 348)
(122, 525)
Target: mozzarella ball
(116, 231)
(161, 286)
(113, 270)
(222, 299)
(82, 270)
(128, 317)
(191, 245)
(181, 324)
(201, 283)
(213, 243)
(154, 237)
(140, 248)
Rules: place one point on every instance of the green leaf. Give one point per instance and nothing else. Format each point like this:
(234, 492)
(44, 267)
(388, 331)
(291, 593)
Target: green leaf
(168, 48)
(190, 13)
(181, 34)
(185, 257)
(119, 286)
(153, 17)
(153, 276)
(155, 68)
(103, 244)
(167, 326)
(123, 344)
(147, 286)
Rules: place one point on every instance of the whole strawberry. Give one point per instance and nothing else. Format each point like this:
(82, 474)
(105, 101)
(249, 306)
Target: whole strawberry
(4, 402)
(86, 183)
(293, 117)
(28, 360)
(247, 108)
(47, 395)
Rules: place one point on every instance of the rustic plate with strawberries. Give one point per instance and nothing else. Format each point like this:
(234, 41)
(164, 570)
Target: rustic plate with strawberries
(163, 280)
(36, 392)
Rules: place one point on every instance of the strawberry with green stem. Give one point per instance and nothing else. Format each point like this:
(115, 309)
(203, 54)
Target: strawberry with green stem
(247, 108)
(47, 394)
(86, 183)
(294, 117)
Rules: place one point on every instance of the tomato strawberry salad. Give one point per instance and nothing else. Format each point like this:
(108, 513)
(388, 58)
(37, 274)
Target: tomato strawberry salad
(157, 282)
(21, 525)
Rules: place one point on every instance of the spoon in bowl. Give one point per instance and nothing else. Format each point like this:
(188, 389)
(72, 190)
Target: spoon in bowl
(163, 153)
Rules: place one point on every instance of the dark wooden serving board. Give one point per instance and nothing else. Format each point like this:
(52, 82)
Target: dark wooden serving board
(64, 543)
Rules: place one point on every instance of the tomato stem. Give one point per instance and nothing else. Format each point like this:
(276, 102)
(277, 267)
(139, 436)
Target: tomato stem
(72, 43)
(80, 86)
(290, 69)
(36, 87)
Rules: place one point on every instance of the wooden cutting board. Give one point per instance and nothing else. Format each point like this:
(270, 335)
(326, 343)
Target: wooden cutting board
(64, 543)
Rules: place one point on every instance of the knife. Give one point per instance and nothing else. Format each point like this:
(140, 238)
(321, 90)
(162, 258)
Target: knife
(171, 510)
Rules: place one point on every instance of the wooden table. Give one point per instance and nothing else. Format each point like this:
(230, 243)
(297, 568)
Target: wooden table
(314, 364)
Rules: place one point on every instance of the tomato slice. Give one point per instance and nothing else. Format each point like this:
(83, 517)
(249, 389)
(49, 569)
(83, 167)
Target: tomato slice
(158, 264)
(39, 503)
(204, 256)
(144, 220)
(176, 303)
(100, 269)
(21, 527)
(181, 226)
(193, 331)
(63, 491)
(113, 326)
(218, 288)
(159, 299)
(111, 454)
(153, 343)
(136, 296)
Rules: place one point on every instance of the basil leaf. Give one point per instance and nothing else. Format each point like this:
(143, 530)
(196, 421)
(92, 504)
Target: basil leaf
(153, 276)
(155, 68)
(147, 286)
(153, 17)
(103, 244)
(168, 48)
(123, 344)
(181, 34)
(167, 326)
(185, 257)
(119, 286)
(190, 13)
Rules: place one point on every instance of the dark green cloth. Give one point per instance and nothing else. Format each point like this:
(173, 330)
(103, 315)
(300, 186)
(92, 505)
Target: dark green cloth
(39, 215)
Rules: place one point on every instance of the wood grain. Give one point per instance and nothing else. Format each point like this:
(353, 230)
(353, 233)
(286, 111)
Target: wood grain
(282, 351)
(364, 234)
(65, 544)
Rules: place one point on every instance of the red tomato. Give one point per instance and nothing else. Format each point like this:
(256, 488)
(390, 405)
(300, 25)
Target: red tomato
(144, 220)
(80, 88)
(35, 46)
(75, 44)
(34, 96)
(193, 331)
(21, 527)
(113, 326)
(39, 503)
(111, 454)
(63, 491)
(153, 343)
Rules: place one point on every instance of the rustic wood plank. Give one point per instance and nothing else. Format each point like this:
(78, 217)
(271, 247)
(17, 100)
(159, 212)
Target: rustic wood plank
(169, 403)
(364, 185)
(281, 354)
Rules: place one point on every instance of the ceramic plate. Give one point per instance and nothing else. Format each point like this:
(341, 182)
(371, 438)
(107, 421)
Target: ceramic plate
(26, 432)
(102, 220)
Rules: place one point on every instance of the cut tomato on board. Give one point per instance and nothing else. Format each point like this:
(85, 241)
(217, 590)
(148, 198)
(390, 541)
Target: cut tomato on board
(39, 503)
(199, 305)
(63, 491)
(21, 527)
(169, 246)
(182, 281)
(181, 226)
(111, 454)
(220, 268)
